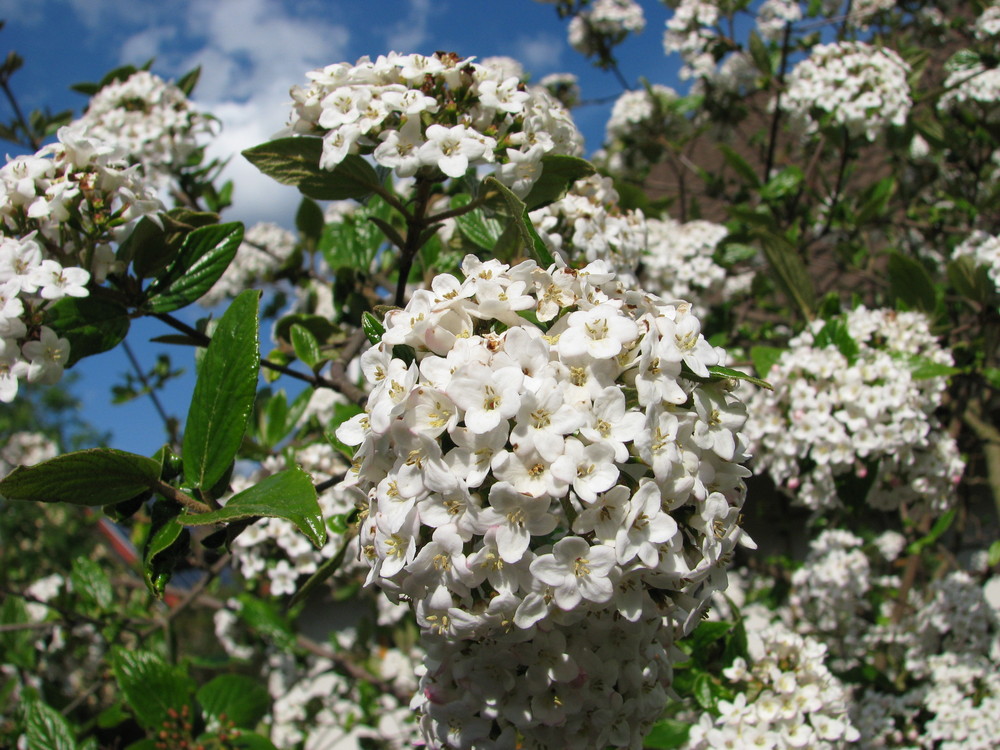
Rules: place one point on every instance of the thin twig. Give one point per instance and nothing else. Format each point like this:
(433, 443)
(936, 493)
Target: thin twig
(169, 424)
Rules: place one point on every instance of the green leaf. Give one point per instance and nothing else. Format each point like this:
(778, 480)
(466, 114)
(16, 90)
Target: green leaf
(667, 734)
(874, 200)
(559, 172)
(45, 728)
(707, 633)
(288, 494)
(937, 530)
(764, 358)
(527, 240)
(320, 327)
(17, 646)
(970, 280)
(305, 345)
(189, 80)
(791, 271)
(224, 394)
(910, 283)
(481, 230)
(992, 376)
(718, 371)
(783, 184)
(994, 554)
(91, 584)
(166, 539)
(97, 476)
(702, 691)
(238, 698)
(273, 419)
(738, 163)
(836, 334)
(91, 324)
(263, 617)
(309, 220)
(759, 54)
(372, 327)
(203, 258)
(295, 161)
(922, 368)
(151, 686)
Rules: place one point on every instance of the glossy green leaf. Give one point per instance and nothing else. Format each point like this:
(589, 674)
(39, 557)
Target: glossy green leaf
(559, 172)
(264, 617)
(203, 258)
(309, 219)
(910, 283)
(702, 691)
(507, 204)
(481, 230)
(783, 184)
(937, 530)
(17, 646)
(835, 333)
(98, 476)
(167, 539)
(240, 699)
(707, 633)
(295, 161)
(718, 371)
(288, 494)
(738, 163)
(224, 394)
(91, 584)
(790, 271)
(922, 368)
(305, 345)
(319, 326)
(759, 54)
(372, 327)
(45, 728)
(151, 687)
(91, 324)
(189, 80)
(970, 280)
(764, 358)
(667, 734)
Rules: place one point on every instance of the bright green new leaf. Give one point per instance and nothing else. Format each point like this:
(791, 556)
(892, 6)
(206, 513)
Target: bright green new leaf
(783, 184)
(305, 345)
(910, 283)
(203, 258)
(667, 734)
(836, 334)
(481, 230)
(288, 494)
(158, 561)
(937, 530)
(295, 161)
(151, 686)
(729, 372)
(224, 394)
(45, 728)
(559, 172)
(91, 324)
(241, 699)
(372, 327)
(264, 617)
(98, 476)
(970, 280)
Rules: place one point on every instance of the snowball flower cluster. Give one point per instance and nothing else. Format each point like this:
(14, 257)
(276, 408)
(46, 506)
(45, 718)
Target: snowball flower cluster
(984, 249)
(437, 115)
(679, 260)
(640, 121)
(774, 15)
(831, 416)
(150, 120)
(532, 453)
(787, 698)
(691, 32)
(852, 85)
(972, 83)
(604, 23)
(635, 109)
(265, 250)
(60, 211)
(587, 224)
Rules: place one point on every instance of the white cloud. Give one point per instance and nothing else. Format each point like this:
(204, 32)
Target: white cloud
(410, 33)
(539, 53)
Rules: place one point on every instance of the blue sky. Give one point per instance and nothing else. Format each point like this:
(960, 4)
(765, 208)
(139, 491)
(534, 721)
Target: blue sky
(251, 53)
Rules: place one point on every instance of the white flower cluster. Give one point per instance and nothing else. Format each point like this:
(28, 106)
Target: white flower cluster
(988, 24)
(438, 114)
(565, 87)
(541, 458)
(60, 211)
(830, 417)
(972, 84)
(679, 261)
(605, 23)
(25, 449)
(690, 32)
(635, 131)
(150, 120)
(774, 15)
(265, 249)
(863, 10)
(587, 224)
(788, 699)
(984, 249)
(854, 85)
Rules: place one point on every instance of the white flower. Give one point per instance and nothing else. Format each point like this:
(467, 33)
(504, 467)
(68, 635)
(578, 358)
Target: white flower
(46, 357)
(516, 517)
(576, 571)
